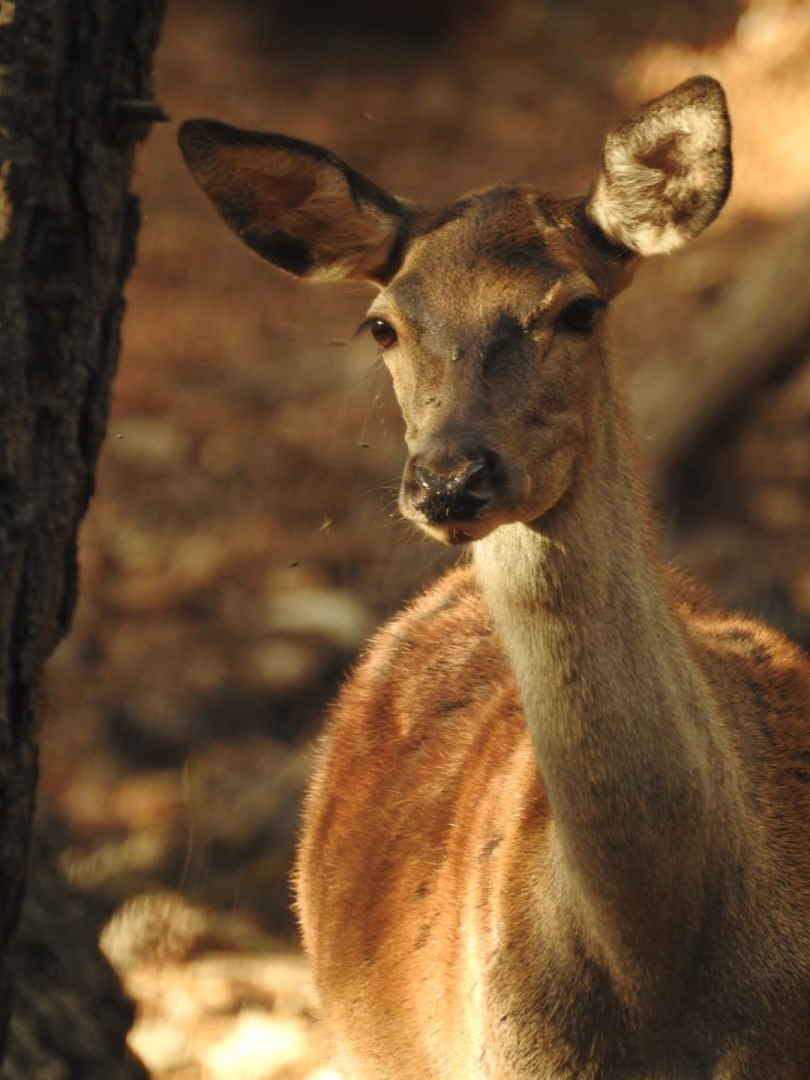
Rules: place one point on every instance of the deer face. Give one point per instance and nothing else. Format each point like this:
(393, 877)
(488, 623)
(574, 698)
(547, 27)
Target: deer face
(490, 315)
(492, 330)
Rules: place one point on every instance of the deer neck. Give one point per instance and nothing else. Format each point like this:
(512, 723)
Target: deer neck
(621, 721)
(574, 595)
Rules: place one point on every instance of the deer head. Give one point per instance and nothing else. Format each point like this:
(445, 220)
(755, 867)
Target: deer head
(490, 313)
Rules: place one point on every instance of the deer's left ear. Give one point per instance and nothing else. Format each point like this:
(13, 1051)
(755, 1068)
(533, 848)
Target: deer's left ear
(666, 170)
(297, 205)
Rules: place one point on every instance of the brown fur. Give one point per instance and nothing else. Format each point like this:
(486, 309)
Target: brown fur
(560, 823)
(434, 901)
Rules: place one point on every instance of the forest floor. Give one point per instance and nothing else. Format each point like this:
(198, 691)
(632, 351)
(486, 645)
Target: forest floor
(243, 541)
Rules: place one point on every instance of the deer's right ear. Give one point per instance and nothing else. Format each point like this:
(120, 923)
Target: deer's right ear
(296, 204)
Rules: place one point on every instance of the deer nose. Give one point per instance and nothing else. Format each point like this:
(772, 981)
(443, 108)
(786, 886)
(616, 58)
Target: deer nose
(454, 496)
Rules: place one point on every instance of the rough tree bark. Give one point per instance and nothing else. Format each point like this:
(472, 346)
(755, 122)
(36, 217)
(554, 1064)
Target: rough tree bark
(73, 73)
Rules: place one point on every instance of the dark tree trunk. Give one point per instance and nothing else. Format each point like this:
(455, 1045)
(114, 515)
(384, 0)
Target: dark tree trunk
(72, 74)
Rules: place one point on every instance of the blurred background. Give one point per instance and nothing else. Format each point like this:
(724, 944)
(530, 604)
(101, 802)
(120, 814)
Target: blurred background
(244, 542)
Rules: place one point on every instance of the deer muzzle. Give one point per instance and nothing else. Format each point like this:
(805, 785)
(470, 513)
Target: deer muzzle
(448, 495)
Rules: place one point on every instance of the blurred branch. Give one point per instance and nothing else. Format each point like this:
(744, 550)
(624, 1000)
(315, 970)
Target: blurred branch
(759, 325)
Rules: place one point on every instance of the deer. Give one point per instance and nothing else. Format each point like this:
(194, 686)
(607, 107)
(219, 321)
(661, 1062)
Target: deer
(560, 821)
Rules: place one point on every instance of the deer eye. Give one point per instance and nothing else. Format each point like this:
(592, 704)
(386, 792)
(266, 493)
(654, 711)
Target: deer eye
(383, 333)
(581, 315)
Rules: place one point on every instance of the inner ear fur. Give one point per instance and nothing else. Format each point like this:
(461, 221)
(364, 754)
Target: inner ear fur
(294, 203)
(666, 170)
